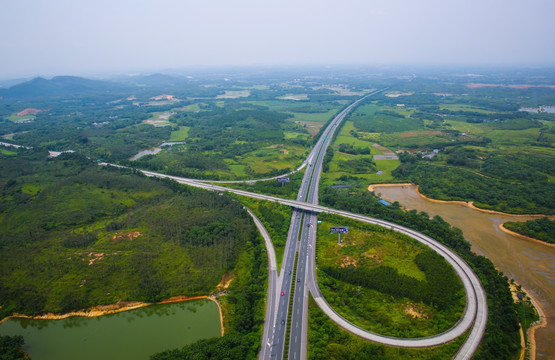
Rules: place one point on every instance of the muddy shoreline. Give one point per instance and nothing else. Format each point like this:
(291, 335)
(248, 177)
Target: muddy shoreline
(469, 204)
(120, 306)
(524, 237)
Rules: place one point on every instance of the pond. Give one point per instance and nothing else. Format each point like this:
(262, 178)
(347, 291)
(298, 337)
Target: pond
(531, 264)
(133, 334)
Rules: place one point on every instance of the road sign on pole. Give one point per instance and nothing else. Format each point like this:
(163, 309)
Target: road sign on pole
(283, 180)
(339, 230)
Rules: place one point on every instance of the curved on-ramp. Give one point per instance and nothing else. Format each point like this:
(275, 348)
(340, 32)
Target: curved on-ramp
(476, 301)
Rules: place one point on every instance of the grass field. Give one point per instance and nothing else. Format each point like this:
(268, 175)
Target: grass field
(301, 110)
(264, 160)
(470, 128)
(190, 108)
(181, 134)
(368, 247)
(463, 107)
(412, 139)
(344, 137)
(370, 109)
(237, 169)
(7, 152)
(514, 137)
(20, 119)
(386, 167)
(295, 135)
(321, 117)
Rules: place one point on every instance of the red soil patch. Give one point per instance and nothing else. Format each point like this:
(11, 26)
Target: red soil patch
(162, 97)
(128, 236)
(95, 257)
(28, 111)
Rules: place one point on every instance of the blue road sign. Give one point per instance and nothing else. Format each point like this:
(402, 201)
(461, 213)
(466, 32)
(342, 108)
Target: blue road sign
(283, 179)
(339, 229)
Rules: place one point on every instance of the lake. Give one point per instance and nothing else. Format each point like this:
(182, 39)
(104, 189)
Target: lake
(531, 264)
(133, 334)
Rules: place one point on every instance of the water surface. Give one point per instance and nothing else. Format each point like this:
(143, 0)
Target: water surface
(132, 335)
(140, 154)
(531, 264)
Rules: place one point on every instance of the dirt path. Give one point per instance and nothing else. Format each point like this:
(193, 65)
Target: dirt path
(215, 299)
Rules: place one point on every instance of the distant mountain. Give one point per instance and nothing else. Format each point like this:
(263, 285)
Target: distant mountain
(155, 81)
(11, 82)
(60, 86)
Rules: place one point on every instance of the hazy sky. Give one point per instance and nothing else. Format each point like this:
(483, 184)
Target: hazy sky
(55, 37)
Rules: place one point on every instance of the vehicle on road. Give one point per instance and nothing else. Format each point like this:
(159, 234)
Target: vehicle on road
(282, 293)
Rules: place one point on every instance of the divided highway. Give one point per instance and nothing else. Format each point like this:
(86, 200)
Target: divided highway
(300, 249)
(475, 315)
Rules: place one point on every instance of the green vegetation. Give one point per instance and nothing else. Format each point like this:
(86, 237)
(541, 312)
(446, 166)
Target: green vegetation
(228, 347)
(7, 152)
(276, 218)
(229, 144)
(451, 183)
(501, 340)
(384, 121)
(542, 229)
(526, 311)
(243, 309)
(10, 348)
(387, 282)
(21, 119)
(74, 235)
(181, 134)
(326, 340)
(288, 190)
(97, 235)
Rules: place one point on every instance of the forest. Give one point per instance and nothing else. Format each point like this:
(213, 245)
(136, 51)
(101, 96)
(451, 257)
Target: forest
(438, 182)
(542, 229)
(10, 348)
(440, 289)
(97, 235)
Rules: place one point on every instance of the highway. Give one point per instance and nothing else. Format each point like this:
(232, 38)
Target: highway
(302, 241)
(476, 312)
(297, 243)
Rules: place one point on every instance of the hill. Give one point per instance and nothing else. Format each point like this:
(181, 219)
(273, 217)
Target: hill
(60, 86)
